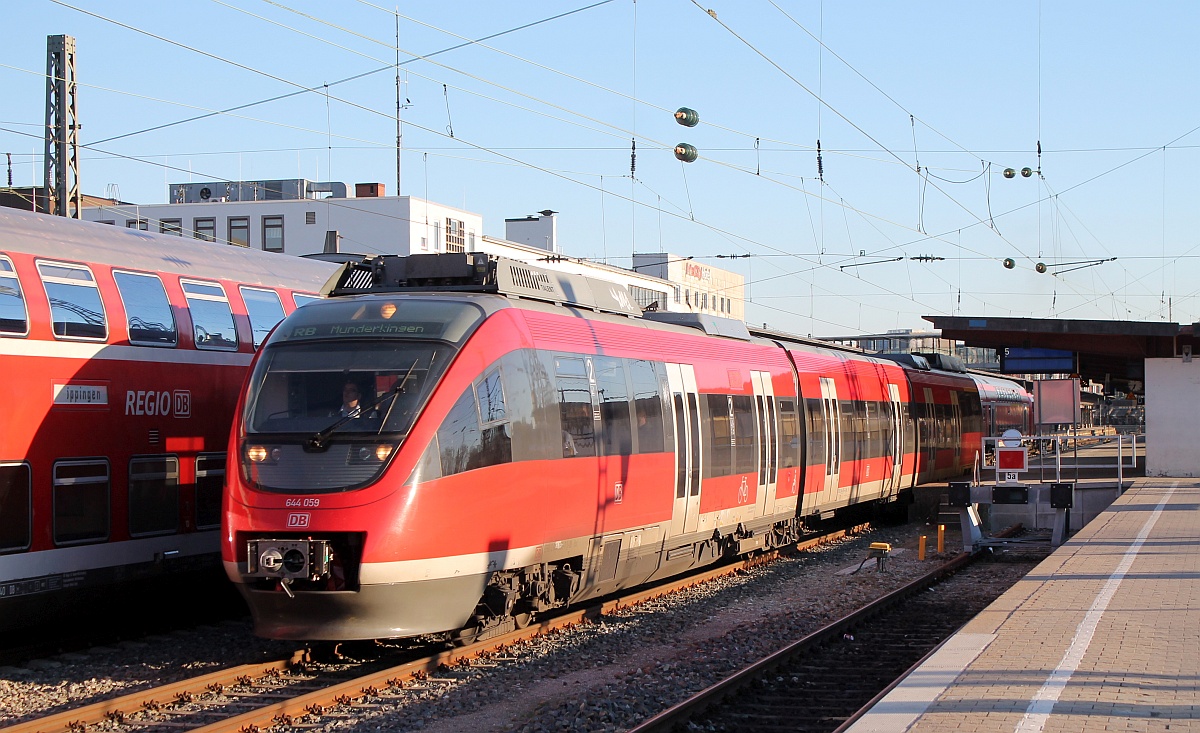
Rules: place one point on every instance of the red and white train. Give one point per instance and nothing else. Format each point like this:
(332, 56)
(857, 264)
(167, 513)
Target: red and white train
(122, 356)
(526, 439)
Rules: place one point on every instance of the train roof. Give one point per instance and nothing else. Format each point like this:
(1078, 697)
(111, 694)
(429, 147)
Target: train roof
(62, 238)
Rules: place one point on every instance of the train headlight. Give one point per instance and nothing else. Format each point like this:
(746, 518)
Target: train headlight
(257, 453)
(378, 452)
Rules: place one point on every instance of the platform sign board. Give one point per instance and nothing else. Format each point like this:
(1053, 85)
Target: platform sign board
(1010, 463)
(1015, 360)
(1056, 401)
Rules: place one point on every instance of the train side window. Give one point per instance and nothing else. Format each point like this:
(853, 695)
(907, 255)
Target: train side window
(81, 501)
(153, 495)
(744, 423)
(303, 298)
(13, 319)
(150, 319)
(211, 317)
(75, 306)
(720, 435)
(15, 516)
(459, 437)
(789, 434)
(490, 393)
(265, 311)
(575, 406)
(613, 393)
(647, 405)
(210, 477)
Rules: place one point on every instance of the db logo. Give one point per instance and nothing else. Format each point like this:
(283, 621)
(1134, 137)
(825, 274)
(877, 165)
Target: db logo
(183, 403)
(297, 521)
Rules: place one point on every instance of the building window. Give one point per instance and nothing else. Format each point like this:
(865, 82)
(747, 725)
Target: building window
(455, 236)
(239, 231)
(206, 229)
(171, 226)
(437, 236)
(109, 222)
(137, 224)
(310, 217)
(272, 233)
(647, 299)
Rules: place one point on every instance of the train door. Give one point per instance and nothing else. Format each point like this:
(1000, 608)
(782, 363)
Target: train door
(895, 445)
(928, 447)
(956, 428)
(768, 440)
(831, 414)
(685, 404)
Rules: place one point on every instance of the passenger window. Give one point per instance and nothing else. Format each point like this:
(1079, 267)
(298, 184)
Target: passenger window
(490, 394)
(151, 321)
(13, 318)
(75, 306)
(303, 299)
(614, 406)
(265, 311)
(744, 438)
(789, 434)
(464, 446)
(647, 404)
(211, 317)
(14, 507)
(210, 476)
(153, 495)
(575, 407)
(80, 501)
(720, 435)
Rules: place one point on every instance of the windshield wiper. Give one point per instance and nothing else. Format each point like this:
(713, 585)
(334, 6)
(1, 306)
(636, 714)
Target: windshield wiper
(320, 440)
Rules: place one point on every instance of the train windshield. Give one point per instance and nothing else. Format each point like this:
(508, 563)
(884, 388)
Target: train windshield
(348, 387)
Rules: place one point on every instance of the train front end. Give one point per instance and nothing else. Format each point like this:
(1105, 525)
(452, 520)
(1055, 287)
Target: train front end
(321, 529)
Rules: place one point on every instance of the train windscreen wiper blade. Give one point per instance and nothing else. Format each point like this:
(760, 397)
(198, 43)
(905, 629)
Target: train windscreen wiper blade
(320, 440)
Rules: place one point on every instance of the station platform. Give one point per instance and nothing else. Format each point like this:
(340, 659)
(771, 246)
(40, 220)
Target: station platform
(1103, 635)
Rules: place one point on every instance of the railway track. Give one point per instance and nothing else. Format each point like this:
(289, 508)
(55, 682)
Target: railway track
(284, 691)
(823, 681)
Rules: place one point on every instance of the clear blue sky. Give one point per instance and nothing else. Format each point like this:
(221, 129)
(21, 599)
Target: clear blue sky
(543, 117)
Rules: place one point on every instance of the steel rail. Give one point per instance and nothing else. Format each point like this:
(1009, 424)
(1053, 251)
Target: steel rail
(71, 721)
(318, 701)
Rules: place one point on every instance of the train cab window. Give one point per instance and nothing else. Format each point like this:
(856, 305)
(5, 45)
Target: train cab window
(153, 495)
(648, 407)
(211, 317)
(150, 318)
(81, 501)
(75, 306)
(13, 319)
(578, 420)
(210, 476)
(15, 517)
(613, 393)
(303, 299)
(265, 311)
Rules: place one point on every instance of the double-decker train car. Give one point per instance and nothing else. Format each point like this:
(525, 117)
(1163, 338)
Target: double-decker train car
(122, 356)
(524, 439)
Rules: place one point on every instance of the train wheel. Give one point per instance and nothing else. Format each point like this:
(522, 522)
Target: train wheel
(467, 635)
(522, 619)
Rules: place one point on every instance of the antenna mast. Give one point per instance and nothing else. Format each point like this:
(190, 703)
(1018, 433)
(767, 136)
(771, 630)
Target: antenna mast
(399, 97)
(61, 159)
